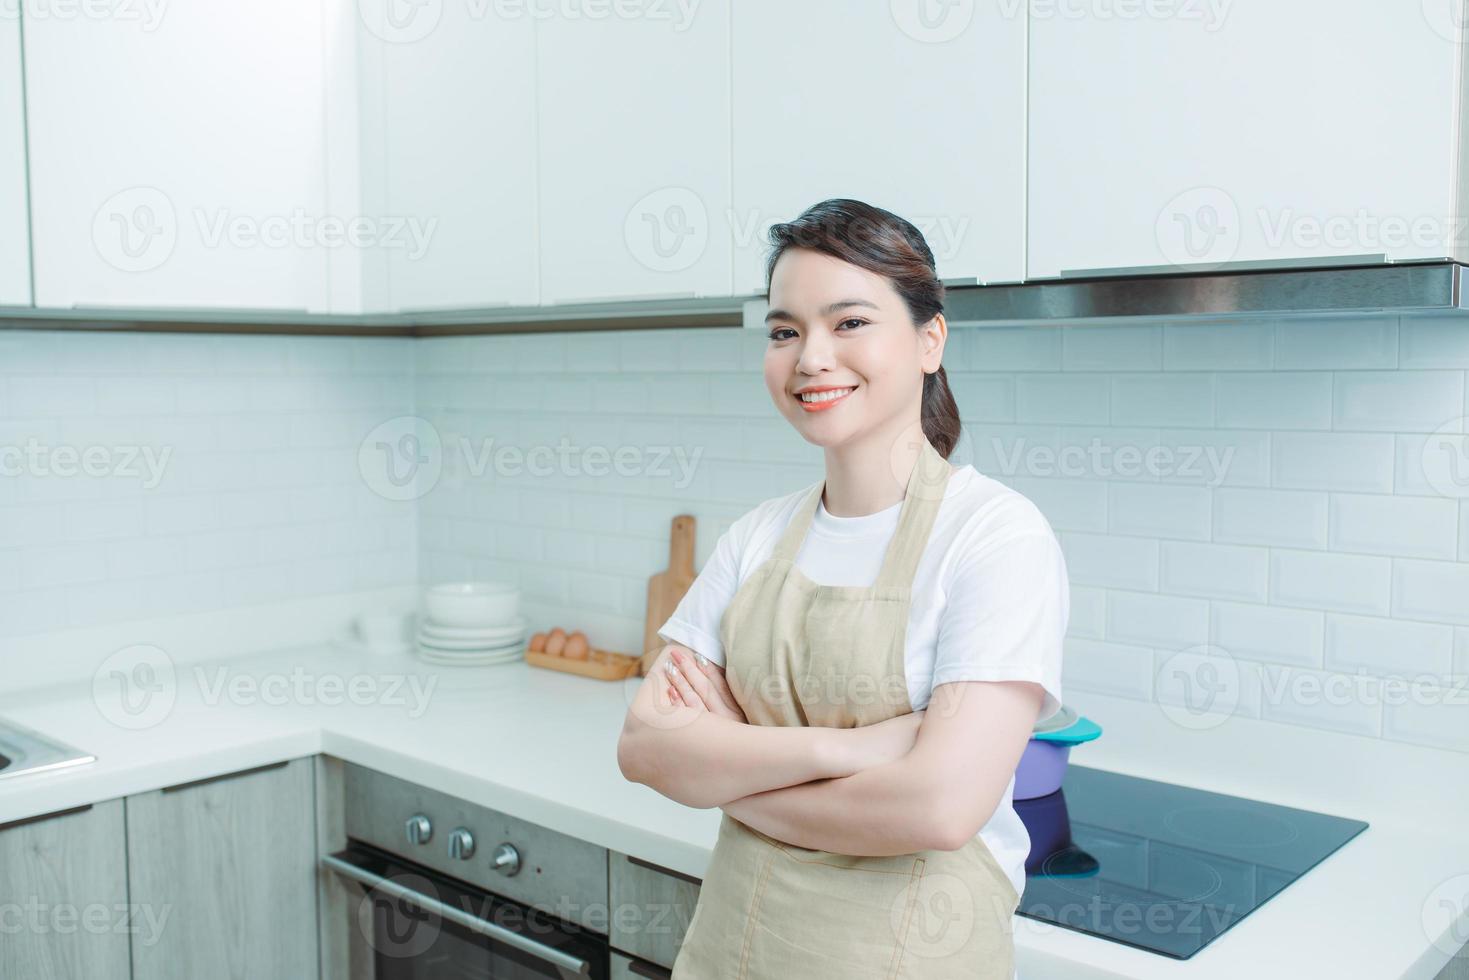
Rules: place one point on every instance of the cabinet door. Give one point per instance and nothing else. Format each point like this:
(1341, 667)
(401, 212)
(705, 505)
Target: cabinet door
(921, 115)
(15, 246)
(177, 155)
(655, 907)
(448, 159)
(235, 860)
(64, 884)
(634, 153)
(1252, 131)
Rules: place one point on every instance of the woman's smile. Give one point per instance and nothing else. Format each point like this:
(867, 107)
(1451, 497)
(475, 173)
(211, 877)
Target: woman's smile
(821, 399)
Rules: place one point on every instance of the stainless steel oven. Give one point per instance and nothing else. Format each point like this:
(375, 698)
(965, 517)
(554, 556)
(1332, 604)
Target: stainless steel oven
(441, 888)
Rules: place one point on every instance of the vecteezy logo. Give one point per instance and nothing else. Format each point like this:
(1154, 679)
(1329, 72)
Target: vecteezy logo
(400, 21)
(667, 230)
(1446, 18)
(933, 915)
(932, 21)
(402, 458)
(135, 230)
(399, 927)
(1445, 459)
(135, 687)
(1199, 687)
(1199, 227)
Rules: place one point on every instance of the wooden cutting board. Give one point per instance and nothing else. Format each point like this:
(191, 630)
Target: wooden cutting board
(667, 588)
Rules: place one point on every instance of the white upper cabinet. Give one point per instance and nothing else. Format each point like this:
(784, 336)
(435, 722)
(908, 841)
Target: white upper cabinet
(1241, 132)
(15, 246)
(448, 153)
(177, 154)
(915, 107)
(634, 151)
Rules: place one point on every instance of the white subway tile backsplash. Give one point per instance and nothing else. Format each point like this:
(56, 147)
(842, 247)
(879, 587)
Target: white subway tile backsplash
(1437, 591)
(1110, 561)
(1335, 343)
(1108, 668)
(1322, 580)
(1397, 401)
(1176, 399)
(1060, 398)
(1211, 518)
(1284, 518)
(1088, 613)
(1107, 348)
(1362, 462)
(1157, 620)
(1338, 702)
(1380, 524)
(1267, 633)
(1215, 571)
(1433, 343)
(1388, 646)
(1204, 687)
(1274, 400)
(1215, 457)
(1218, 346)
(1007, 348)
(1158, 510)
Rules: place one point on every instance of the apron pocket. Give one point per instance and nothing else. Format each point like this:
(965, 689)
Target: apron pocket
(823, 916)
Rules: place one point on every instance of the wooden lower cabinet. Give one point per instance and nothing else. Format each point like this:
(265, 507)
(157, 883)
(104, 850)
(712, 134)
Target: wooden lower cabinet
(63, 896)
(651, 909)
(232, 862)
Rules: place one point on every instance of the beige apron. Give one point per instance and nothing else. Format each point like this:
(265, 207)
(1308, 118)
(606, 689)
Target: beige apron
(801, 653)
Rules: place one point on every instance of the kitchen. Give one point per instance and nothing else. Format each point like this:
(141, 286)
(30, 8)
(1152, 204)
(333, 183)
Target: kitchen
(377, 377)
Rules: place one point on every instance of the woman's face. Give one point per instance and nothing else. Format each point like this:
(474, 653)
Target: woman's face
(836, 325)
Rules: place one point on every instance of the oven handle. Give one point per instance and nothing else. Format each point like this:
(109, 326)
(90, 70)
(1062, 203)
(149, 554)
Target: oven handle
(569, 965)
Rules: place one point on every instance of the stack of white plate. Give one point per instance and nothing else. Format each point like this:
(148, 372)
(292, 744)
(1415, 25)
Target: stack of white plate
(466, 624)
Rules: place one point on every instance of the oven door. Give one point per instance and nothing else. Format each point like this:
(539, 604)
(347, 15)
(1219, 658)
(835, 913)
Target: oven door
(421, 925)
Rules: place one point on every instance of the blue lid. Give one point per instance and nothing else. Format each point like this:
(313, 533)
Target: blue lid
(1081, 730)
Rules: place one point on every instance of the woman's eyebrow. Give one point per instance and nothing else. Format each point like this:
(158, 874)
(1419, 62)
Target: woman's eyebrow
(826, 310)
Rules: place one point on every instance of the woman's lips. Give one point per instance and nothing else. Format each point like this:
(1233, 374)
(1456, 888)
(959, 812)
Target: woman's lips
(822, 406)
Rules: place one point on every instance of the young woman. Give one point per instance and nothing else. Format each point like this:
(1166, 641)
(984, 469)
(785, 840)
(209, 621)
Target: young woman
(855, 672)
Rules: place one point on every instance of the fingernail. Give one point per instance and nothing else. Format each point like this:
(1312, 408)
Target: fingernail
(676, 656)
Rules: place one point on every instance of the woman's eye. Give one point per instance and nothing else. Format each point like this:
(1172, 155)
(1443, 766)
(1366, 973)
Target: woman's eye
(857, 320)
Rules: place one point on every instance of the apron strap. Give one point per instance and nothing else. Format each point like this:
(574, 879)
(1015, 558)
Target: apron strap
(921, 499)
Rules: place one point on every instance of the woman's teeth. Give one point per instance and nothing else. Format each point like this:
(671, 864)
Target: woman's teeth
(825, 396)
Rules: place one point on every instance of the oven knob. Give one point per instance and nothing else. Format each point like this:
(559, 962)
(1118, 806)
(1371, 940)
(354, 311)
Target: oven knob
(506, 859)
(418, 829)
(461, 844)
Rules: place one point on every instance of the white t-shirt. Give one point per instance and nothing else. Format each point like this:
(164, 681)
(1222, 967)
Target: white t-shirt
(990, 599)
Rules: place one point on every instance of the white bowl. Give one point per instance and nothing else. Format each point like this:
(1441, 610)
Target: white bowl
(471, 603)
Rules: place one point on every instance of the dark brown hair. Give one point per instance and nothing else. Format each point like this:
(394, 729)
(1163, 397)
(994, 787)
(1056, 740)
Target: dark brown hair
(881, 242)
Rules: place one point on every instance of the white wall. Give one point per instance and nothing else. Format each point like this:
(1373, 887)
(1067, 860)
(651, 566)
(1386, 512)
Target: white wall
(1323, 550)
(255, 493)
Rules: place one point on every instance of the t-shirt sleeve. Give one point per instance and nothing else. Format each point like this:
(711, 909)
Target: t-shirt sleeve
(695, 621)
(1005, 614)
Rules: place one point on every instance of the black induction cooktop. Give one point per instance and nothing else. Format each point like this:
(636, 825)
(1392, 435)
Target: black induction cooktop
(1162, 867)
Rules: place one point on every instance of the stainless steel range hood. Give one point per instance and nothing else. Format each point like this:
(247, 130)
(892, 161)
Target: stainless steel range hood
(1432, 287)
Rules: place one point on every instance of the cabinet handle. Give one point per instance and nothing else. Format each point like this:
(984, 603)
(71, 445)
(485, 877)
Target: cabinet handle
(226, 775)
(45, 816)
(664, 871)
(648, 970)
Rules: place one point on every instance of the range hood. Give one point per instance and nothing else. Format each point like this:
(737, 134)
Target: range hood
(1421, 288)
(1432, 287)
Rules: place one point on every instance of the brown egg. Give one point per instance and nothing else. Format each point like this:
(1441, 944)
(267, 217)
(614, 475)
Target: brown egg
(576, 646)
(556, 641)
(538, 642)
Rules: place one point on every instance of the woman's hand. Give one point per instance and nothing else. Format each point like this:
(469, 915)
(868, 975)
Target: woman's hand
(697, 683)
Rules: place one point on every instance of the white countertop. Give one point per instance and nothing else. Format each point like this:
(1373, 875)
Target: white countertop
(541, 745)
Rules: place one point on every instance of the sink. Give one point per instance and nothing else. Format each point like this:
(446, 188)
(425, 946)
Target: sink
(24, 751)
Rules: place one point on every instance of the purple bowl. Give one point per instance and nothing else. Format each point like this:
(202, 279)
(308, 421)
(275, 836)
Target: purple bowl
(1042, 766)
